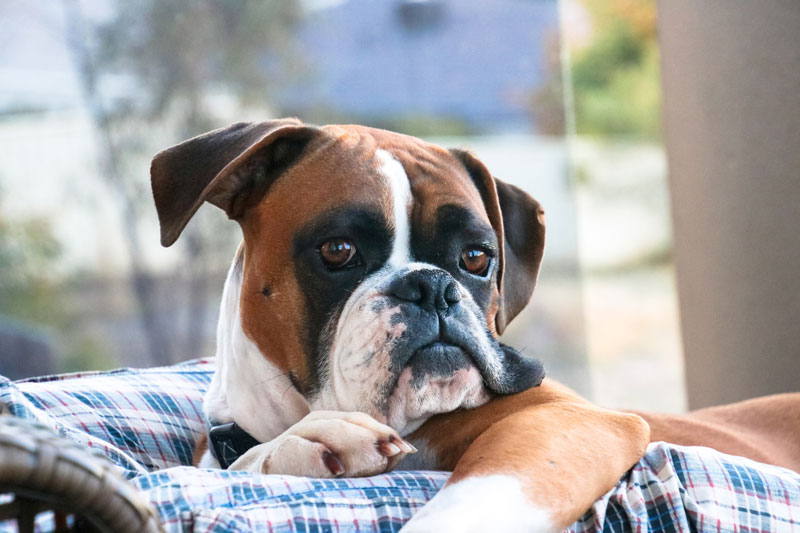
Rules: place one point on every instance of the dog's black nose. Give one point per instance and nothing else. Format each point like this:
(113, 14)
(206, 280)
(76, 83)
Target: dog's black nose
(430, 289)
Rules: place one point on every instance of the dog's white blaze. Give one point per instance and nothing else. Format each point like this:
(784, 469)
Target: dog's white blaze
(246, 387)
(478, 504)
(401, 197)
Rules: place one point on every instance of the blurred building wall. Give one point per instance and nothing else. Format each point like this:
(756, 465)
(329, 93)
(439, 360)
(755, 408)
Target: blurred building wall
(731, 78)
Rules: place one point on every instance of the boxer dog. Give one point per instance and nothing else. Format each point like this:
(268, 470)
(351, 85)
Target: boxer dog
(358, 327)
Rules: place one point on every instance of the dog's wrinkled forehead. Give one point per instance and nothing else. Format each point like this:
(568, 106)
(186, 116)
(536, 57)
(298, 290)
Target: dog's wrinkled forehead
(372, 169)
(436, 177)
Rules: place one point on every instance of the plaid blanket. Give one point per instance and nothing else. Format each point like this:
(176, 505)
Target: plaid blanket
(147, 421)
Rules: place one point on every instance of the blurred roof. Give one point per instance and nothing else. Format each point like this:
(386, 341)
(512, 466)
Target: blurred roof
(470, 60)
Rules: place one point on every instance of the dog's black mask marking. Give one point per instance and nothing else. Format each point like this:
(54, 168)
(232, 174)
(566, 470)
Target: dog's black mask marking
(326, 291)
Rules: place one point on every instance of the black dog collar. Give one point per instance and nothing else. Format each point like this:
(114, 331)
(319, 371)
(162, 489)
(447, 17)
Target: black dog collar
(229, 442)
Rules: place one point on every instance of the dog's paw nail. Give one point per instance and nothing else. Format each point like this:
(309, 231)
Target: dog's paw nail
(403, 445)
(333, 463)
(388, 449)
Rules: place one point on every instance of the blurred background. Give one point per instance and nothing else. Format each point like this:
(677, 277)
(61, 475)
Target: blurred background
(560, 98)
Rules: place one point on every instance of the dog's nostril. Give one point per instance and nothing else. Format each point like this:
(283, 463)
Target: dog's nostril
(451, 293)
(410, 292)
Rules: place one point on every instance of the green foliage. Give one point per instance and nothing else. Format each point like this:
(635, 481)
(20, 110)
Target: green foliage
(616, 78)
(28, 254)
(86, 353)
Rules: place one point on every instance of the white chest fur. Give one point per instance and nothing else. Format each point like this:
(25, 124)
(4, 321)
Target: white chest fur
(246, 387)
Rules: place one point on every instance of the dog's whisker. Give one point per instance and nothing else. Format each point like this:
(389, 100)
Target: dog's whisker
(285, 391)
(271, 378)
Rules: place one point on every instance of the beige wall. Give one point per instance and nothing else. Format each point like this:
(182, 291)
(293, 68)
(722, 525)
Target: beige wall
(731, 78)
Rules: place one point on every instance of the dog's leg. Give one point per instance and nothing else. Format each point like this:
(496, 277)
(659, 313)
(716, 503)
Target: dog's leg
(328, 444)
(534, 461)
(765, 429)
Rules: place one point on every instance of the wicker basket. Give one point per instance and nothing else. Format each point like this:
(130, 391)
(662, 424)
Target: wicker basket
(46, 472)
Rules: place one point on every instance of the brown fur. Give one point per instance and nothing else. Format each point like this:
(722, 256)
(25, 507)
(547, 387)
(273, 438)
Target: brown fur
(764, 429)
(273, 322)
(200, 448)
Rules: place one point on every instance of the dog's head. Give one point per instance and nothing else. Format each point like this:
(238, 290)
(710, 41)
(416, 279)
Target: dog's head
(377, 268)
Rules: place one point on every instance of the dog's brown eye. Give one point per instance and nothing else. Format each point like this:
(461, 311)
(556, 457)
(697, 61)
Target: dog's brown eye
(475, 261)
(338, 253)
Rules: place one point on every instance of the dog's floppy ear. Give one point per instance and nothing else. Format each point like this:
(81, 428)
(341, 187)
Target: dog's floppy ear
(231, 168)
(518, 220)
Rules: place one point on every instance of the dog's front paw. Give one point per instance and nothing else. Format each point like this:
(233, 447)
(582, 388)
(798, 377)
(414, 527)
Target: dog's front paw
(328, 444)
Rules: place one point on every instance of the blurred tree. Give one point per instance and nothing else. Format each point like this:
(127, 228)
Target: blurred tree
(156, 65)
(29, 296)
(616, 77)
(28, 255)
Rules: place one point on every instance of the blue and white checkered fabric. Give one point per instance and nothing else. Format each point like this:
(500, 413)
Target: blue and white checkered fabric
(143, 420)
(147, 422)
(687, 489)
